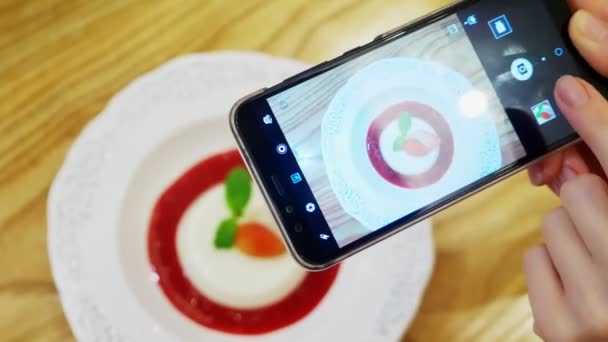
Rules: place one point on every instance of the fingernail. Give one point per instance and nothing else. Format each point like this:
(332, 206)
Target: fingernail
(556, 186)
(570, 92)
(536, 178)
(536, 175)
(567, 174)
(591, 27)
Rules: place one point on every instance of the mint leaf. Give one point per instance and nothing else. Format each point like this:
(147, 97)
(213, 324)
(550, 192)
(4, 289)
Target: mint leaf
(405, 123)
(238, 191)
(398, 144)
(225, 234)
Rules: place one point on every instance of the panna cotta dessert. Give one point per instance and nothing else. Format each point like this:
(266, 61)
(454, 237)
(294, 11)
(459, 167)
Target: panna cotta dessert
(410, 145)
(218, 255)
(256, 258)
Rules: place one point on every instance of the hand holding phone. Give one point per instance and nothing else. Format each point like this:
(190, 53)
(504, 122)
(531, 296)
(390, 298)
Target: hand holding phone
(363, 146)
(567, 276)
(593, 46)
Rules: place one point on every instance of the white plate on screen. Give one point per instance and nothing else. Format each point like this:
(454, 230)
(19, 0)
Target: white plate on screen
(468, 134)
(101, 202)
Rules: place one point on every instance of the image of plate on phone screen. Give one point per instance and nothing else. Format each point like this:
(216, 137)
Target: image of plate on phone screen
(396, 138)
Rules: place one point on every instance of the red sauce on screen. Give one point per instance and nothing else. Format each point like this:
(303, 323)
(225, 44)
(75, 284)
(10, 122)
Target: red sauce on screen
(430, 116)
(162, 251)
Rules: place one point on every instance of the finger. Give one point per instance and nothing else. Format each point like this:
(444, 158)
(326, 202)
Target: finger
(598, 8)
(567, 250)
(587, 111)
(590, 160)
(589, 33)
(574, 160)
(551, 168)
(546, 170)
(545, 293)
(572, 165)
(585, 198)
(535, 328)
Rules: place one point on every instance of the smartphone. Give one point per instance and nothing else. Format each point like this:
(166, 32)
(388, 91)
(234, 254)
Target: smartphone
(363, 146)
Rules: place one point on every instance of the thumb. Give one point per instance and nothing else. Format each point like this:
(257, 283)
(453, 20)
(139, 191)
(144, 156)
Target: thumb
(590, 36)
(587, 112)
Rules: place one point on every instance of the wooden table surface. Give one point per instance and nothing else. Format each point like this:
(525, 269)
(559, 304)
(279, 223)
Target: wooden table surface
(62, 60)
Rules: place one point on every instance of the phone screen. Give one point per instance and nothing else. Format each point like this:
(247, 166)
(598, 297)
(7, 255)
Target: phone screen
(416, 121)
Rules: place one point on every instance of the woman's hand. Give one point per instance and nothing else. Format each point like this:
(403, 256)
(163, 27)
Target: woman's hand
(568, 276)
(589, 32)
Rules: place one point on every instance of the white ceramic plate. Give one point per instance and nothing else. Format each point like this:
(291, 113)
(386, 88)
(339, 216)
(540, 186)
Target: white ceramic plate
(151, 133)
(361, 190)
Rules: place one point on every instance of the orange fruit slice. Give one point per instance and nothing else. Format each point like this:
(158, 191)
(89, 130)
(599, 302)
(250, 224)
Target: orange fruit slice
(256, 240)
(421, 143)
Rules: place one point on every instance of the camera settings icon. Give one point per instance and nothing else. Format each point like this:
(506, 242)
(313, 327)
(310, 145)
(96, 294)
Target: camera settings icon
(267, 119)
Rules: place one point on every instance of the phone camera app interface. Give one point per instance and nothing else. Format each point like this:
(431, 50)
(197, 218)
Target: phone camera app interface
(415, 120)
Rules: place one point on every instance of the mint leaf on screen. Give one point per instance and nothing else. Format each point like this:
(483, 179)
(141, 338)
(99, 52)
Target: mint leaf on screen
(225, 234)
(399, 143)
(405, 123)
(238, 191)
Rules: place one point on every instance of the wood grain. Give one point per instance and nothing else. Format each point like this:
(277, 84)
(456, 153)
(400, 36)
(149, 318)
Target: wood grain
(61, 61)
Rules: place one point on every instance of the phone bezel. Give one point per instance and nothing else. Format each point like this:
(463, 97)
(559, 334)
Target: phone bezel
(314, 254)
